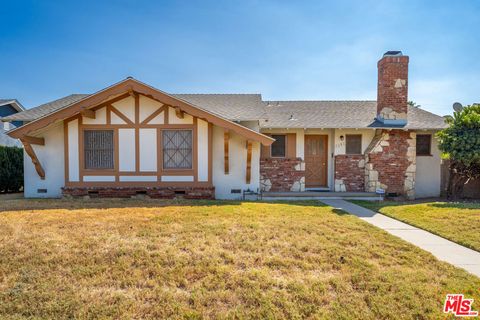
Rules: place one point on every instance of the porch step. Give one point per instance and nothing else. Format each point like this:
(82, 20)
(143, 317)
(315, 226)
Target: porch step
(312, 195)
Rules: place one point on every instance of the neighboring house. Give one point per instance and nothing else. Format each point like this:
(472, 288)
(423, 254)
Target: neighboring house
(7, 108)
(131, 138)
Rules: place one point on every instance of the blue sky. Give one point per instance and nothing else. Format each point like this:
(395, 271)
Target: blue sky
(290, 50)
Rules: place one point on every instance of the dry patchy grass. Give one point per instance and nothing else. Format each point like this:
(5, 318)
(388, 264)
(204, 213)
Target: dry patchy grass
(459, 222)
(141, 259)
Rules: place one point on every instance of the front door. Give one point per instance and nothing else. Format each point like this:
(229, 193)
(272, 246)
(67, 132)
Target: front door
(316, 151)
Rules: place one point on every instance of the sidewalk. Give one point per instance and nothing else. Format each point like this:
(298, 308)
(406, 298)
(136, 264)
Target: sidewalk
(441, 248)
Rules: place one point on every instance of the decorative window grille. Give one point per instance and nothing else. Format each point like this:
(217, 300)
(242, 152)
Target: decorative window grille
(177, 149)
(98, 149)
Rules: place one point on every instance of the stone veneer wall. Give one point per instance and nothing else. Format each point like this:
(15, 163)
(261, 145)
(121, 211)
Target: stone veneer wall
(350, 173)
(390, 162)
(157, 193)
(282, 174)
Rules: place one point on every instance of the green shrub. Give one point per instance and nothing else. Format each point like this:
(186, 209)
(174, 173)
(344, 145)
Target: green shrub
(460, 143)
(11, 169)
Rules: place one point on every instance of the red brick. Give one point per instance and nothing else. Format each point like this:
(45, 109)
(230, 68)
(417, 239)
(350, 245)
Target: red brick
(281, 172)
(347, 169)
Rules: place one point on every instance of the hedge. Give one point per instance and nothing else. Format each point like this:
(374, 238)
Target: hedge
(11, 169)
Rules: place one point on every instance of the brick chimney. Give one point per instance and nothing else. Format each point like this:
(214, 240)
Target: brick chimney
(392, 93)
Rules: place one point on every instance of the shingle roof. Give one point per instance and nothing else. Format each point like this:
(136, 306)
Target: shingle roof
(273, 114)
(339, 114)
(235, 107)
(44, 109)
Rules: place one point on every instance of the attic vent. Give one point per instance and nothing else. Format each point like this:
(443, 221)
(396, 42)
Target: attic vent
(93, 193)
(393, 53)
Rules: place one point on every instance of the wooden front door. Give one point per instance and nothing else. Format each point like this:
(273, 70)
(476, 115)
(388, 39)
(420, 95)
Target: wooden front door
(316, 152)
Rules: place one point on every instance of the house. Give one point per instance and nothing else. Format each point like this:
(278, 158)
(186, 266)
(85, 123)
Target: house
(131, 138)
(7, 108)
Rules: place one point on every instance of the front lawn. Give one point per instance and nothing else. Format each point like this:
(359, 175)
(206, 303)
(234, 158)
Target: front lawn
(142, 259)
(459, 222)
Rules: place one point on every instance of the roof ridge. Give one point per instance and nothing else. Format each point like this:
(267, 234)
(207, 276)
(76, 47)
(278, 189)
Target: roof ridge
(319, 100)
(218, 94)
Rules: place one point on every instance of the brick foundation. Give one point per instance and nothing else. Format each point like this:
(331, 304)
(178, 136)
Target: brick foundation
(282, 174)
(156, 193)
(350, 173)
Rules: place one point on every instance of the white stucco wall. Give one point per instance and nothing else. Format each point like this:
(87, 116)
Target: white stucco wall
(147, 107)
(73, 157)
(126, 149)
(202, 136)
(173, 119)
(148, 149)
(340, 146)
(127, 107)
(236, 179)
(427, 180)
(100, 117)
(51, 157)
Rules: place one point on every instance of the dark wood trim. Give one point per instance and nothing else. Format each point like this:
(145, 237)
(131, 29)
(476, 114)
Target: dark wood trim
(34, 140)
(137, 126)
(179, 113)
(137, 133)
(81, 158)
(31, 153)
(178, 172)
(291, 145)
(195, 149)
(65, 152)
(127, 85)
(141, 173)
(116, 150)
(210, 152)
(88, 113)
(142, 126)
(120, 115)
(109, 115)
(226, 138)
(167, 111)
(154, 114)
(159, 153)
(249, 161)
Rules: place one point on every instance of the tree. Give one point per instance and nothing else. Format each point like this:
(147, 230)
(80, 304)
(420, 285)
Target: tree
(11, 169)
(413, 104)
(460, 143)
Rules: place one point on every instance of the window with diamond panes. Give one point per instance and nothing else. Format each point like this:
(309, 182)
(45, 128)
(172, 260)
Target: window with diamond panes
(98, 149)
(177, 149)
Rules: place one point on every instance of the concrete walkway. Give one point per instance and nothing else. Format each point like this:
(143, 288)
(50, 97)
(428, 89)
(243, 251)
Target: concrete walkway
(441, 248)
